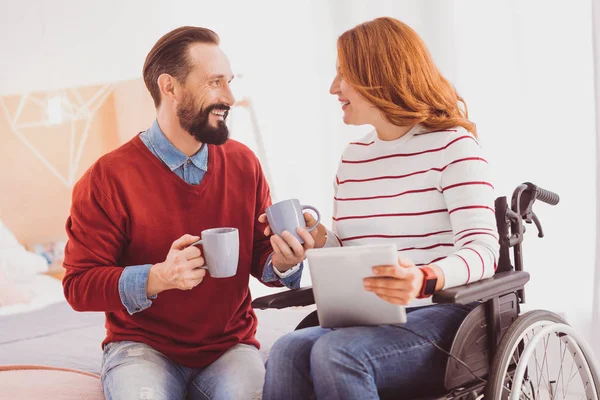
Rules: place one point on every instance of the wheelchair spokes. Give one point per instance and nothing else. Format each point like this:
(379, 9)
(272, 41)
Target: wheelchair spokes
(556, 367)
(544, 360)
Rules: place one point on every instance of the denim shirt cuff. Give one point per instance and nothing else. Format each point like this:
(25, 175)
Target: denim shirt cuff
(132, 288)
(292, 281)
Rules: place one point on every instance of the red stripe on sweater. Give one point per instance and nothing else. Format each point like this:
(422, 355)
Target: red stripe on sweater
(477, 233)
(481, 258)
(377, 178)
(394, 236)
(390, 215)
(466, 184)
(408, 154)
(431, 262)
(362, 144)
(475, 229)
(436, 260)
(384, 196)
(428, 247)
(471, 208)
(468, 269)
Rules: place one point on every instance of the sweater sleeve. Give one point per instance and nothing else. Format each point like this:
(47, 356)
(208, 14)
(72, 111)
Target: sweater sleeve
(469, 198)
(96, 237)
(333, 239)
(261, 244)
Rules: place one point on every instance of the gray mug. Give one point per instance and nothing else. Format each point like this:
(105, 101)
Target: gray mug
(220, 249)
(287, 215)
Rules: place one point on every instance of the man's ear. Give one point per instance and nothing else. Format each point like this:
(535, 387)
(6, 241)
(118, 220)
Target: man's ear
(169, 87)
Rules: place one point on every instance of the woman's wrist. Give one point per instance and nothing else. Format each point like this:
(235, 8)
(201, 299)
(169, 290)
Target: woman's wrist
(441, 279)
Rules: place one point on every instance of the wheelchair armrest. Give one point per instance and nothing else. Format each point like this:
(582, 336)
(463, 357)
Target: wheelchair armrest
(290, 298)
(497, 285)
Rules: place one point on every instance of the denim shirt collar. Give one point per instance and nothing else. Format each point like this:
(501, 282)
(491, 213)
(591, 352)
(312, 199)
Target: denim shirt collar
(169, 154)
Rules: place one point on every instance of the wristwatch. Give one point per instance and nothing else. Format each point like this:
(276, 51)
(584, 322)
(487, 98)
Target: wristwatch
(429, 282)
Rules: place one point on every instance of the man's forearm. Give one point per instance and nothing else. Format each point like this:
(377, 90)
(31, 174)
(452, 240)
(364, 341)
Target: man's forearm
(93, 288)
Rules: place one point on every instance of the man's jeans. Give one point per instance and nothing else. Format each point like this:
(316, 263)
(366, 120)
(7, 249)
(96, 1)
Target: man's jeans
(365, 362)
(132, 370)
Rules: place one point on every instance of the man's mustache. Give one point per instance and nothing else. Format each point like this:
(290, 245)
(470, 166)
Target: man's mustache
(220, 107)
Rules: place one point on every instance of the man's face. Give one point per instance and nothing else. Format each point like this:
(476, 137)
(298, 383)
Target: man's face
(207, 96)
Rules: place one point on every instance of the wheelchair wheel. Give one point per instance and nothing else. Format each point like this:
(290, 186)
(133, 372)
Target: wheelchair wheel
(541, 357)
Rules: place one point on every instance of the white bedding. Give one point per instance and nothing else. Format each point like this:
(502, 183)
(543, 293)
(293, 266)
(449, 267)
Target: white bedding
(44, 290)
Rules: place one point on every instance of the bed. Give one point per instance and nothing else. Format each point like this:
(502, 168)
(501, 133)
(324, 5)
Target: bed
(48, 350)
(48, 332)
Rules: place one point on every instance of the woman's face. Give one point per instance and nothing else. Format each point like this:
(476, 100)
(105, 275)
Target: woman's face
(357, 111)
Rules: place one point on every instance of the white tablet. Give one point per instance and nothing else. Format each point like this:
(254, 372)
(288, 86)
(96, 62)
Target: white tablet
(337, 275)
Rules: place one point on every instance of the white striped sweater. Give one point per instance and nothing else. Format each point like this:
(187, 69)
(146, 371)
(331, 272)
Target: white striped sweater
(428, 193)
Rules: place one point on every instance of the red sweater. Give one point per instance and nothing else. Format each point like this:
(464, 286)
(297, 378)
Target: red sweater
(128, 208)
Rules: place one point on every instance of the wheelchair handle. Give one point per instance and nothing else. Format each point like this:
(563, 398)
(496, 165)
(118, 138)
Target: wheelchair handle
(546, 196)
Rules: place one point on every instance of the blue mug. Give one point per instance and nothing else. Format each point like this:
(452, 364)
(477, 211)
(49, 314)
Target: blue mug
(287, 215)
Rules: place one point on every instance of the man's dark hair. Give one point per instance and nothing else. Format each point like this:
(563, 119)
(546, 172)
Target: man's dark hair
(170, 56)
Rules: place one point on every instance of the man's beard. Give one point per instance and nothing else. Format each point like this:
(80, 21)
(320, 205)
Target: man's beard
(198, 125)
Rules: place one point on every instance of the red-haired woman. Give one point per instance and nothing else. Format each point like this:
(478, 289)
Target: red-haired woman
(418, 180)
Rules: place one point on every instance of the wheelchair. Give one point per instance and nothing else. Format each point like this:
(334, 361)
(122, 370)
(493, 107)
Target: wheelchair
(499, 353)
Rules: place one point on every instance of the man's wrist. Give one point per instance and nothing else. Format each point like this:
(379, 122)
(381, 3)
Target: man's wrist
(155, 284)
(283, 268)
(288, 272)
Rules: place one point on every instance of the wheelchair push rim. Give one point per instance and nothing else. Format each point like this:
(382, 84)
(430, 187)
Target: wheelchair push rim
(581, 365)
(541, 357)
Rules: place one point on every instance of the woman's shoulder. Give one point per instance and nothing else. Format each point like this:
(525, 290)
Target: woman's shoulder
(364, 141)
(361, 146)
(448, 140)
(440, 135)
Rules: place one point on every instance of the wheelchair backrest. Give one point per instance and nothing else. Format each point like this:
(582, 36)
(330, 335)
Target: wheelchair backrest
(503, 224)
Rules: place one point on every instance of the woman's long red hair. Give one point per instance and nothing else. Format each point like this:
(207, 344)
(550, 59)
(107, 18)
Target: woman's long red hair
(389, 65)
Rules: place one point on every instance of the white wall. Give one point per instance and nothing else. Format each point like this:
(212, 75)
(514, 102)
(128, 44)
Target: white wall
(524, 67)
(596, 41)
(48, 44)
